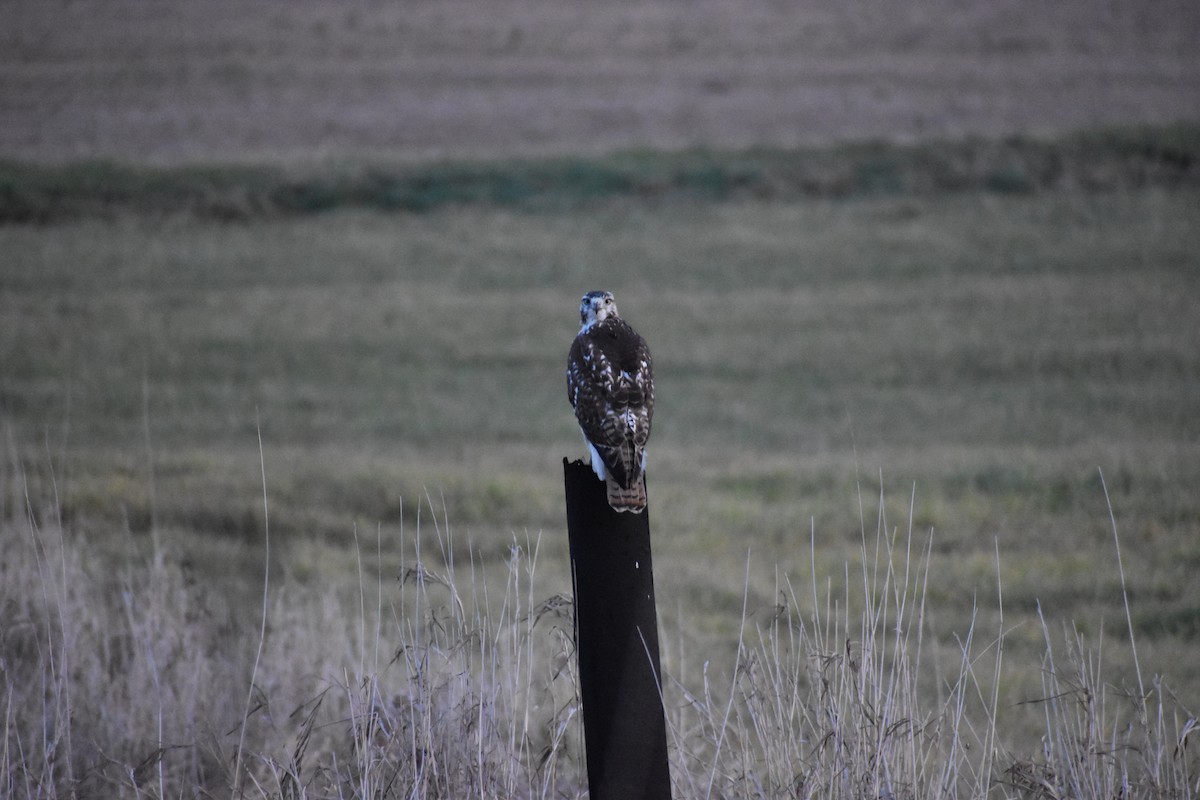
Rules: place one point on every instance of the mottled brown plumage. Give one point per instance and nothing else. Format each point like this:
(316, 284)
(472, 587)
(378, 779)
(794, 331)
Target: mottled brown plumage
(610, 384)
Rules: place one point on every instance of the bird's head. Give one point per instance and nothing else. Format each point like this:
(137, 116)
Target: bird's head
(596, 307)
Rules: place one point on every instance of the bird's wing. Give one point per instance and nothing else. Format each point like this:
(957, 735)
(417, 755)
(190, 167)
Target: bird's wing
(610, 383)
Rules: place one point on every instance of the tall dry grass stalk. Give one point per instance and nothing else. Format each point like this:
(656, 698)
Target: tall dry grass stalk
(130, 680)
(834, 704)
(133, 681)
(853, 704)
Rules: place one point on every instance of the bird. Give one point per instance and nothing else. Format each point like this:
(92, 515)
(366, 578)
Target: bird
(610, 384)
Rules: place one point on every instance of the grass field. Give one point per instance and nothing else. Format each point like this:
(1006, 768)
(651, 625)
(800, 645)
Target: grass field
(285, 300)
(985, 354)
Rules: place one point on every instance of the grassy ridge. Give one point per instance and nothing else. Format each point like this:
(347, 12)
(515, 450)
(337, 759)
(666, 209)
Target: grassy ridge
(1113, 159)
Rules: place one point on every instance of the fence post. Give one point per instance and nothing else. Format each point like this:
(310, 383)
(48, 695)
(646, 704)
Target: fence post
(616, 644)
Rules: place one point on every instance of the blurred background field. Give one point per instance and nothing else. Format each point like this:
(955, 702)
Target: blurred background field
(973, 315)
(180, 82)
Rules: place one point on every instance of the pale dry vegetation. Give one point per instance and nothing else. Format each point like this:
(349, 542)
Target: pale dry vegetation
(128, 677)
(134, 677)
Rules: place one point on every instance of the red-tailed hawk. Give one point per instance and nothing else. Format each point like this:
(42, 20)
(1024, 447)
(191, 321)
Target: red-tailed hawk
(610, 384)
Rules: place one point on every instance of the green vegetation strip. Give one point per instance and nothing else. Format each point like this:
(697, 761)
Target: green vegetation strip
(1093, 161)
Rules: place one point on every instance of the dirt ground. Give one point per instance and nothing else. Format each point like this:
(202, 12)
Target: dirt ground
(179, 81)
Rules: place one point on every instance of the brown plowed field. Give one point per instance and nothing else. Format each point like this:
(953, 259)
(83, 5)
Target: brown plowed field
(229, 80)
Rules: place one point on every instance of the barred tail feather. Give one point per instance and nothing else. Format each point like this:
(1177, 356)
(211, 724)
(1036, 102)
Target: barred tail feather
(631, 499)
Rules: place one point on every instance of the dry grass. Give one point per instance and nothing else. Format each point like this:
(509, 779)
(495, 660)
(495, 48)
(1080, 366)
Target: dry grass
(130, 682)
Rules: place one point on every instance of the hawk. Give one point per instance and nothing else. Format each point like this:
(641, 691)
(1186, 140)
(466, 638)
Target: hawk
(610, 384)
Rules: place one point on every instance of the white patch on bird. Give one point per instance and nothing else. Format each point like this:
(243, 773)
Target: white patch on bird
(597, 461)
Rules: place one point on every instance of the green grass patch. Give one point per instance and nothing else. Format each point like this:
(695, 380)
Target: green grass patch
(1107, 160)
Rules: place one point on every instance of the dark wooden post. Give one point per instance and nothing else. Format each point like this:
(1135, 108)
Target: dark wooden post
(616, 642)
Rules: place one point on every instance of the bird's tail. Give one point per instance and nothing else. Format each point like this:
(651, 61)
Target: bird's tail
(631, 499)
